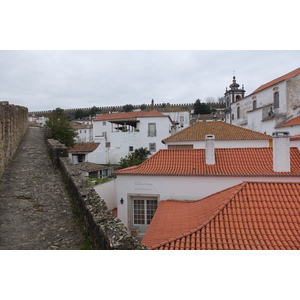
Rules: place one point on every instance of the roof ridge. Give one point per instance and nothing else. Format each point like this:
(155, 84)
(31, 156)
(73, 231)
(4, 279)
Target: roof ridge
(237, 188)
(276, 80)
(220, 210)
(179, 132)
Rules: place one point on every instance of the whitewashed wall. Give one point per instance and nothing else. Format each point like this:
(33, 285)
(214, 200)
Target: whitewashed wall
(225, 144)
(107, 191)
(121, 141)
(84, 136)
(176, 188)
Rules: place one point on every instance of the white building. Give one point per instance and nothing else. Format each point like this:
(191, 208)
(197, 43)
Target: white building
(85, 152)
(190, 174)
(122, 133)
(267, 108)
(84, 131)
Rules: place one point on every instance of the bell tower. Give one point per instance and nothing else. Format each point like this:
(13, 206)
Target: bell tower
(232, 95)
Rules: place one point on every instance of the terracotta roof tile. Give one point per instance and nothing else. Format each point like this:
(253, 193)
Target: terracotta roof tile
(295, 137)
(293, 122)
(129, 115)
(242, 217)
(84, 148)
(229, 162)
(220, 129)
(277, 80)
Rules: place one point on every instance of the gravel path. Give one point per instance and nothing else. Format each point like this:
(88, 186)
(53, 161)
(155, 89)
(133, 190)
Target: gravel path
(35, 207)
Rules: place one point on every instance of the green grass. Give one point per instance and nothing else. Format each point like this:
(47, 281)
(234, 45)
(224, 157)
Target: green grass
(87, 245)
(98, 180)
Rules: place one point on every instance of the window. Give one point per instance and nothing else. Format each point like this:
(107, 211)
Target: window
(104, 123)
(238, 113)
(143, 211)
(276, 100)
(254, 104)
(151, 129)
(130, 148)
(232, 116)
(152, 147)
(237, 98)
(81, 157)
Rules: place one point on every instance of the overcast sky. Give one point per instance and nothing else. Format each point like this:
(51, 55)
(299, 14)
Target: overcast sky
(44, 80)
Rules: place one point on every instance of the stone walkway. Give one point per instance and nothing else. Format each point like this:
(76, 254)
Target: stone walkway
(35, 207)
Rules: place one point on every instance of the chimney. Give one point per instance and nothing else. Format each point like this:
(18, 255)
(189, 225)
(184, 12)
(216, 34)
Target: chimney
(281, 152)
(210, 149)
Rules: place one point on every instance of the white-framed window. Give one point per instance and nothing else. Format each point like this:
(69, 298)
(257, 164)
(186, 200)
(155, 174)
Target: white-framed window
(143, 211)
(254, 104)
(238, 112)
(130, 148)
(152, 147)
(151, 129)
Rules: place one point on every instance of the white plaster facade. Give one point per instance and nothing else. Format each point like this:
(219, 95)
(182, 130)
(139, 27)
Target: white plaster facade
(224, 144)
(92, 157)
(84, 135)
(148, 133)
(180, 118)
(269, 106)
(175, 188)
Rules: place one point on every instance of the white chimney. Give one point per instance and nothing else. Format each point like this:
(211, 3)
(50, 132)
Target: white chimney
(281, 152)
(210, 149)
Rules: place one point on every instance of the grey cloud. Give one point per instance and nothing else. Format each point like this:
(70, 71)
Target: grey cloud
(43, 80)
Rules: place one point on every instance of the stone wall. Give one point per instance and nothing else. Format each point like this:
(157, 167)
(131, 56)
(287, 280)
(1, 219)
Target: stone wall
(105, 231)
(13, 126)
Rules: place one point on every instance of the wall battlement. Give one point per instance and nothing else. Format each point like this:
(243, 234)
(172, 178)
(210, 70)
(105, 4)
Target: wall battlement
(13, 126)
(105, 231)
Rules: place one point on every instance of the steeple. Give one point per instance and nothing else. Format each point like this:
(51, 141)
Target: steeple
(232, 95)
(234, 85)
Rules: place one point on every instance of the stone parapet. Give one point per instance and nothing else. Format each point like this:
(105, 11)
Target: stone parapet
(13, 126)
(105, 231)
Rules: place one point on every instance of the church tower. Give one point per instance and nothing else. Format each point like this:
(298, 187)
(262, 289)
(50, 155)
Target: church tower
(232, 95)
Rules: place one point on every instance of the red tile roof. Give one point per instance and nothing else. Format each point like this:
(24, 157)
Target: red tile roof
(293, 122)
(84, 148)
(221, 130)
(129, 115)
(277, 80)
(229, 162)
(295, 137)
(251, 215)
